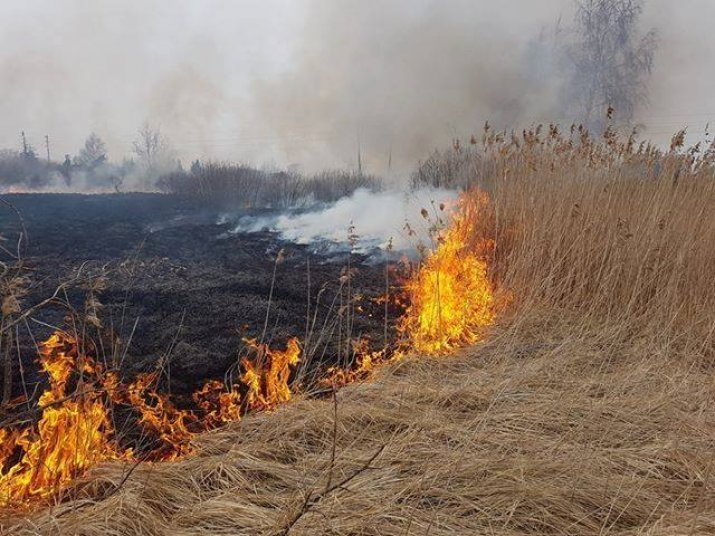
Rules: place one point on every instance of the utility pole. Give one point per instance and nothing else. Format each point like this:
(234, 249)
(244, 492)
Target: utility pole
(47, 146)
(24, 143)
(359, 155)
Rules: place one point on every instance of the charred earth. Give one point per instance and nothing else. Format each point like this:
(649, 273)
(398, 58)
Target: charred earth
(172, 283)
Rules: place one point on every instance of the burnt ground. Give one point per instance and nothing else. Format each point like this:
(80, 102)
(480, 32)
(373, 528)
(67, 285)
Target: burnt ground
(177, 283)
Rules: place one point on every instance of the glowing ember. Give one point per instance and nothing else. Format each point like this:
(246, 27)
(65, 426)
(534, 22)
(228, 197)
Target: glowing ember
(451, 297)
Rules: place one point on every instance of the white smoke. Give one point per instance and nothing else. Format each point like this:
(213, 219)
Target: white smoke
(365, 222)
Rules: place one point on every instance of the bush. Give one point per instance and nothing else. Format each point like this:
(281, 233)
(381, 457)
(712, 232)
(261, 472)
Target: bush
(242, 185)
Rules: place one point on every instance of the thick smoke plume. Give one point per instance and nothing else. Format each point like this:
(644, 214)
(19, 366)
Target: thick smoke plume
(394, 80)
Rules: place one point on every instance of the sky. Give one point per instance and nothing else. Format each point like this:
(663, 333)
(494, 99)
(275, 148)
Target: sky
(305, 82)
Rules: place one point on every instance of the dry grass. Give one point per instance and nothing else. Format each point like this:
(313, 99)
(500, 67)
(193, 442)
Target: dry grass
(615, 232)
(589, 410)
(543, 430)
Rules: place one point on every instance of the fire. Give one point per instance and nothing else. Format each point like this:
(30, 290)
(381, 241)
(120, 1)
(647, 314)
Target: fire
(75, 432)
(366, 362)
(451, 297)
(450, 302)
(160, 418)
(72, 435)
(267, 375)
(220, 406)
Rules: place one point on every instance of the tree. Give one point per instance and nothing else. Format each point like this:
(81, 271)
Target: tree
(93, 154)
(196, 167)
(610, 60)
(154, 154)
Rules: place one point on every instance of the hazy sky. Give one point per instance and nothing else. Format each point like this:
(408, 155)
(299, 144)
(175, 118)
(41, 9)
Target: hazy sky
(300, 81)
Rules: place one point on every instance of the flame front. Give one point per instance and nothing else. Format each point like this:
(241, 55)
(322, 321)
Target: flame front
(267, 375)
(451, 296)
(74, 432)
(451, 301)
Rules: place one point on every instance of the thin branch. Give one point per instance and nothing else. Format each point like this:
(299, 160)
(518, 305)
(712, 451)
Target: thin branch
(311, 500)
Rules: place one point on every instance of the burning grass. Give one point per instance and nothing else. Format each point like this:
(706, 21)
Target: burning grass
(587, 411)
(450, 295)
(542, 430)
(75, 431)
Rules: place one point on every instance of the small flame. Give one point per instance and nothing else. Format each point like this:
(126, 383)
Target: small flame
(160, 417)
(267, 375)
(219, 405)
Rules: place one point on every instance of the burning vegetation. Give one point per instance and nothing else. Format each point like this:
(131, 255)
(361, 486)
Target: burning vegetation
(75, 431)
(451, 302)
(451, 298)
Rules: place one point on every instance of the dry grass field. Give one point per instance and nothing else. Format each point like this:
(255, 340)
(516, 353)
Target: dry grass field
(586, 408)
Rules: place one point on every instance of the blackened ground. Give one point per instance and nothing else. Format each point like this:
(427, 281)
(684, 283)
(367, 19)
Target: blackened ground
(184, 286)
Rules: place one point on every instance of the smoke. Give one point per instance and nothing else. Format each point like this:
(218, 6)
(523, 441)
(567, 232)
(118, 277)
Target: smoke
(311, 82)
(396, 79)
(364, 222)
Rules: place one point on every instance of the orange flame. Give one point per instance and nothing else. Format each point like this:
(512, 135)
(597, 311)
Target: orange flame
(71, 436)
(219, 405)
(267, 376)
(160, 417)
(451, 297)
(74, 432)
(366, 361)
(451, 301)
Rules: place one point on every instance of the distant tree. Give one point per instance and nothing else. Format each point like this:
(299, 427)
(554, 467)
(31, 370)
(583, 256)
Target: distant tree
(66, 170)
(120, 173)
(610, 60)
(196, 167)
(153, 152)
(93, 154)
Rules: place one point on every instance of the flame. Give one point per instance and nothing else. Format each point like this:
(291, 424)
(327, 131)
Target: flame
(451, 301)
(267, 375)
(366, 362)
(72, 434)
(160, 418)
(451, 297)
(220, 406)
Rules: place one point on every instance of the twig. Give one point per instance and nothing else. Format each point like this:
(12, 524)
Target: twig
(335, 436)
(311, 500)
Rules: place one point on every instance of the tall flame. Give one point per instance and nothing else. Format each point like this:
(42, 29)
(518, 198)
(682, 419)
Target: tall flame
(267, 375)
(451, 296)
(71, 436)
